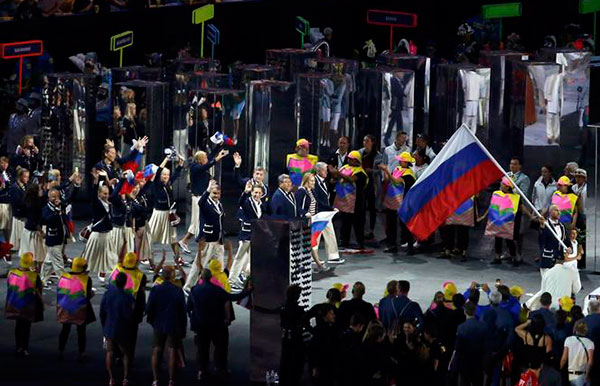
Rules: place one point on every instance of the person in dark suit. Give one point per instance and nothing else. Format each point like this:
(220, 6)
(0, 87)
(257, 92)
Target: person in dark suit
(165, 311)
(251, 209)
(16, 192)
(6, 178)
(292, 343)
(199, 179)
(55, 219)
(116, 315)
(206, 310)
(469, 349)
(354, 306)
(322, 196)
(258, 176)
(550, 246)
(283, 202)
(211, 232)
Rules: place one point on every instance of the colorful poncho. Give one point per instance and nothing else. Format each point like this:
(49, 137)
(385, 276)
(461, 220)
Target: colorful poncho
(71, 300)
(298, 166)
(464, 214)
(395, 192)
(345, 199)
(566, 206)
(502, 213)
(134, 279)
(20, 297)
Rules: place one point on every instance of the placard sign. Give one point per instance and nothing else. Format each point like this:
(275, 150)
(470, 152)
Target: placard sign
(391, 19)
(303, 27)
(120, 42)
(590, 6)
(214, 37)
(500, 11)
(20, 50)
(199, 16)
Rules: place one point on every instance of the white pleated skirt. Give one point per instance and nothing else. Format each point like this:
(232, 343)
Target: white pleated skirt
(129, 236)
(5, 216)
(160, 228)
(33, 241)
(116, 239)
(145, 247)
(98, 253)
(16, 231)
(194, 227)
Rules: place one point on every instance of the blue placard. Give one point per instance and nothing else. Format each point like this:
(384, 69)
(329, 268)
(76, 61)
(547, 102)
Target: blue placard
(392, 18)
(121, 41)
(213, 34)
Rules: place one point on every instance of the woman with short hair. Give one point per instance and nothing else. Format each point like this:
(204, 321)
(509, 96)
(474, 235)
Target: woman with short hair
(578, 355)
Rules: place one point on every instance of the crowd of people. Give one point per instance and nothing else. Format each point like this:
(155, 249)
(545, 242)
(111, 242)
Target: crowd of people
(133, 209)
(482, 336)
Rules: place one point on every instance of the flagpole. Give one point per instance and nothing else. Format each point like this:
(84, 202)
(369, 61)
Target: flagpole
(523, 196)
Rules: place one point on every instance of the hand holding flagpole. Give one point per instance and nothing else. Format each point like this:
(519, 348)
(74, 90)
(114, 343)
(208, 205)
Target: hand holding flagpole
(516, 187)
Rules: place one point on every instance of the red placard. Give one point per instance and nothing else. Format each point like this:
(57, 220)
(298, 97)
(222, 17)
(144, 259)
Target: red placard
(391, 18)
(20, 50)
(17, 50)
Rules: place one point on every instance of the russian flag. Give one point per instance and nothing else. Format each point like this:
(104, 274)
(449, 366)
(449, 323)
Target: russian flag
(219, 137)
(149, 171)
(134, 163)
(129, 183)
(319, 223)
(462, 169)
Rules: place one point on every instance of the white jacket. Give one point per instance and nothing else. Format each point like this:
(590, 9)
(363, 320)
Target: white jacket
(542, 195)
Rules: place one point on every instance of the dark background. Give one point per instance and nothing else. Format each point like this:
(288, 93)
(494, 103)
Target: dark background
(248, 28)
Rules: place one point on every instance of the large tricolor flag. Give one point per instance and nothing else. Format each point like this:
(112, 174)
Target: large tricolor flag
(319, 223)
(463, 168)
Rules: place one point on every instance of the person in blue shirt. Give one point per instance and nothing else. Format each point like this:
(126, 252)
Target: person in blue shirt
(165, 311)
(6, 179)
(16, 193)
(116, 316)
(199, 179)
(258, 176)
(397, 308)
(500, 332)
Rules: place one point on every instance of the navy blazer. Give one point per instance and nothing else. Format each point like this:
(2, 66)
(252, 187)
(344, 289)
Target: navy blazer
(303, 201)
(283, 206)
(321, 193)
(211, 219)
(116, 314)
(162, 194)
(551, 248)
(165, 309)
(206, 305)
(242, 181)
(199, 174)
(17, 196)
(120, 208)
(101, 218)
(55, 219)
(33, 215)
(247, 214)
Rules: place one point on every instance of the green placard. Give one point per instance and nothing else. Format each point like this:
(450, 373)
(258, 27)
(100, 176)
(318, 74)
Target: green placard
(589, 6)
(202, 14)
(496, 11)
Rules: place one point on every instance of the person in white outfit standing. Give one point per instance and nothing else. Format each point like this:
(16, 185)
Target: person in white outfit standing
(553, 90)
(578, 355)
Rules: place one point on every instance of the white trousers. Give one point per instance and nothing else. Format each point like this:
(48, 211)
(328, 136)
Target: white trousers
(211, 250)
(552, 125)
(241, 261)
(331, 247)
(52, 263)
(194, 227)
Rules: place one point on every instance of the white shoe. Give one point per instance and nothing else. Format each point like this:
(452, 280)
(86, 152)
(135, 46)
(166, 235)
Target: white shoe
(184, 247)
(102, 279)
(416, 244)
(336, 261)
(404, 245)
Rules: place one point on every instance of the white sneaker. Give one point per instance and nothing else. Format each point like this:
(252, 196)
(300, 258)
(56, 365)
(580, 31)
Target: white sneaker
(416, 244)
(184, 247)
(101, 278)
(404, 245)
(336, 261)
